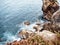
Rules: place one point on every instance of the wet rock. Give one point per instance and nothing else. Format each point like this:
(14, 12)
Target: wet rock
(37, 28)
(27, 23)
(24, 34)
(49, 7)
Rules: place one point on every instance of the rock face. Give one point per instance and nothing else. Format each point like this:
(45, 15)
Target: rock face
(56, 17)
(49, 7)
(51, 27)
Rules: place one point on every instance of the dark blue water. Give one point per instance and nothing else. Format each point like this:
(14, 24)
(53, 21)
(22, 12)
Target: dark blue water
(14, 12)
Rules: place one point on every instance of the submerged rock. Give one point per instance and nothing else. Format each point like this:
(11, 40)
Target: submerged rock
(38, 26)
(27, 23)
(49, 7)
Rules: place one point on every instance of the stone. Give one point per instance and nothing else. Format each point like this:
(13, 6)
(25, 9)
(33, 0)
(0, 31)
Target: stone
(56, 18)
(51, 27)
(49, 7)
(38, 26)
(24, 34)
(27, 23)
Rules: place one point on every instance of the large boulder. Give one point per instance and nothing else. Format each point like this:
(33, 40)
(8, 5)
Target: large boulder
(24, 34)
(49, 7)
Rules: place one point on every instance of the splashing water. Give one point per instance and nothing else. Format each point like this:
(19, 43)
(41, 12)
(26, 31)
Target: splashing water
(10, 37)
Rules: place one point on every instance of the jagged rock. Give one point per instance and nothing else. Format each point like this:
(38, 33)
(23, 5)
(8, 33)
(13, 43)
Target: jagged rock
(24, 34)
(49, 7)
(51, 27)
(56, 18)
(38, 26)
